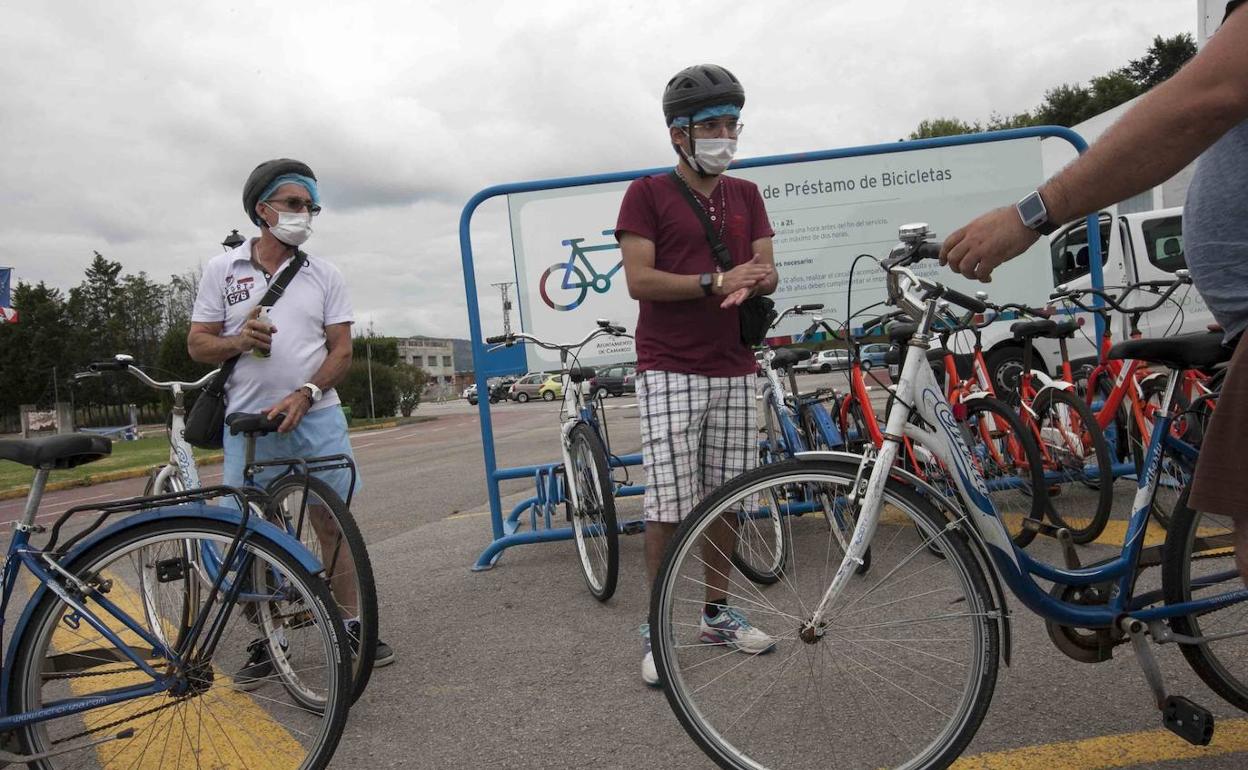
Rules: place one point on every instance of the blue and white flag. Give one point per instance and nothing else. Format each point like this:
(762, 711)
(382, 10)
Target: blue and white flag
(5, 299)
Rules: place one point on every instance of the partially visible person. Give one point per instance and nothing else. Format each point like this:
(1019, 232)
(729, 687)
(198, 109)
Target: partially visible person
(1200, 112)
(307, 347)
(695, 377)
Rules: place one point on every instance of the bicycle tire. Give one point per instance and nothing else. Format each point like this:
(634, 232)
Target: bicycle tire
(289, 489)
(1189, 559)
(1068, 430)
(855, 424)
(1175, 472)
(767, 700)
(594, 523)
(319, 646)
(997, 436)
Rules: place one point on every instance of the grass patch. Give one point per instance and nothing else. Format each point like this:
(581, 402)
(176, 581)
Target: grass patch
(127, 456)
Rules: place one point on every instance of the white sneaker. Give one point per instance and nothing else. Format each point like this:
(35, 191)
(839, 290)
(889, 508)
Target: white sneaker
(649, 674)
(730, 629)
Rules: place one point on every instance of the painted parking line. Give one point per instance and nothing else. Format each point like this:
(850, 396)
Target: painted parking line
(264, 742)
(1125, 750)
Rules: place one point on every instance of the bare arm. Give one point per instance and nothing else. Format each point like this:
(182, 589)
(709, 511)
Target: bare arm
(765, 255)
(1166, 130)
(645, 281)
(207, 346)
(338, 361)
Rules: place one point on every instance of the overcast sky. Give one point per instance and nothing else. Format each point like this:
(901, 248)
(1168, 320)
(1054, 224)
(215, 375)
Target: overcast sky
(129, 127)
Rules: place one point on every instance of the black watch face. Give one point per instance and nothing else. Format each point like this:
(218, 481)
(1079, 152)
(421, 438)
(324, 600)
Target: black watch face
(1032, 210)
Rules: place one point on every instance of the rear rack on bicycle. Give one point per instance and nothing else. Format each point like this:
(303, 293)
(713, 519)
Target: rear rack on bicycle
(307, 467)
(144, 502)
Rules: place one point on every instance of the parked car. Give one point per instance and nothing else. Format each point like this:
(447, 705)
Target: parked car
(874, 355)
(824, 361)
(614, 380)
(499, 387)
(552, 388)
(527, 387)
(470, 392)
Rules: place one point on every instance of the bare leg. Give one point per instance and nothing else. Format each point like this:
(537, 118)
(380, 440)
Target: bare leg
(720, 539)
(334, 547)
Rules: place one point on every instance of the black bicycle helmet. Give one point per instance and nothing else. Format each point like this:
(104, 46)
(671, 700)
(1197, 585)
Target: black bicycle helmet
(700, 86)
(263, 176)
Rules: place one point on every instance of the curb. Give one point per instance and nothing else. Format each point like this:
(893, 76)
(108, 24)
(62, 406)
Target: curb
(131, 473)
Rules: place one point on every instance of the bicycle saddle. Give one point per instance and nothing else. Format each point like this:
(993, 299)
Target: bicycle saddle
(1186, 351)
(1031, 329)
(901, 331)
(582, 373)
(56, 452)
(786, 357)
(252, 424)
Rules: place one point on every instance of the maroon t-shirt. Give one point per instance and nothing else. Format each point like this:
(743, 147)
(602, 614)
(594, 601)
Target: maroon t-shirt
(692, 336)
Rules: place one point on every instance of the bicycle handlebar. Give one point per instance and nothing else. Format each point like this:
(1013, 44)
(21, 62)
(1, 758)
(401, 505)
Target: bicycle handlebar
(124, 363)
(1116, 303)
(604, 327)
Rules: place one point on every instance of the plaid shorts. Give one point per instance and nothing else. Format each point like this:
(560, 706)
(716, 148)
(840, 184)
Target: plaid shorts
(696, 433)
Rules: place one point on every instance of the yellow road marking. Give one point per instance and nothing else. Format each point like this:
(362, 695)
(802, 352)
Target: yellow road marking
(196, 731)
(1125, 750)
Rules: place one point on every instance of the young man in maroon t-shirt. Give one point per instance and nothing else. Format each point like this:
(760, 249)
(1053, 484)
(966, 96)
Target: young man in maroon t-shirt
(695, 378)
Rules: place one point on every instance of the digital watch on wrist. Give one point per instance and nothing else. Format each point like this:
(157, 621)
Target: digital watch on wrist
(707, 282)
(1035, 214)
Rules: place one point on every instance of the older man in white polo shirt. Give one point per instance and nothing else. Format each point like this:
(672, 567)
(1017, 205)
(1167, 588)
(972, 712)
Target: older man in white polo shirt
(307, 338)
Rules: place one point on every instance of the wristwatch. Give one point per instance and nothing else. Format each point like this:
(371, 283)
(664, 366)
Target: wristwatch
(707, 282)
(313, 392)
(1034, 214)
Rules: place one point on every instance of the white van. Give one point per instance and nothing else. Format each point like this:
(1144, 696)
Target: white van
(1146, 246)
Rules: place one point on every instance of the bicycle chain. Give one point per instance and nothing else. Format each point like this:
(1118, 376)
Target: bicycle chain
(123, 720)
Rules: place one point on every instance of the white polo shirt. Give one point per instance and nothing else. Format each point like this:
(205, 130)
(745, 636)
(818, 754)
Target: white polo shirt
(316, 297)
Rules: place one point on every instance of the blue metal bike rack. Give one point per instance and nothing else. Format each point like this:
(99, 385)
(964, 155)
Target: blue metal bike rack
(506, 531)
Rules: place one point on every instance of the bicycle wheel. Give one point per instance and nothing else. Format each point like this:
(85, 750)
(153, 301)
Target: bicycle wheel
(204, 716)
(1008, 458)
(1199, 563)
(1074, 450)
(1175, 471)
(328, 529)
(593, 518)
(854, 428)
(899, 674)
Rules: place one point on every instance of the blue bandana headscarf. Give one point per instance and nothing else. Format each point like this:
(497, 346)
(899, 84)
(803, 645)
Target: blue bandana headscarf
(707, 113)
(308, 183)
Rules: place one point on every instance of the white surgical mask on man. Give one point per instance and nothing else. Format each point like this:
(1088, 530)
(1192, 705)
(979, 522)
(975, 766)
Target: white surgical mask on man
(292, 228)
(712, 156)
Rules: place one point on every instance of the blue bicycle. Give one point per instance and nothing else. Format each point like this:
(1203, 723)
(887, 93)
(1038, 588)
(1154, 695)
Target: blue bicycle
(896, 668)
(126, 656)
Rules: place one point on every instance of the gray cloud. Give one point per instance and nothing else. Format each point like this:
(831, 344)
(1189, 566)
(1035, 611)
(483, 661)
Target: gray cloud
(129, 128)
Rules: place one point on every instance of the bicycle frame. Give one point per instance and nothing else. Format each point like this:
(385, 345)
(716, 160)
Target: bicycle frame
(918, 390)
(45, 568)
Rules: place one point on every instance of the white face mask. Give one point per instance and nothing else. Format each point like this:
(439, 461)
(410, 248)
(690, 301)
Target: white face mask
(712, 156)
(292, 229)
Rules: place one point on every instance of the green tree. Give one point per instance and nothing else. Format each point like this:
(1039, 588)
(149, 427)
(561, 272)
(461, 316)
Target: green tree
(385, 350)
(180, 295)
(929, 129)
(410, 381)
(1111, 90)
(34, 348)
(353, 390)
(1164, 57)
(143, 310)
(1065, 105)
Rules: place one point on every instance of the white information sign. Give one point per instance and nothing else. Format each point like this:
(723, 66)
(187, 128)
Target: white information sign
(825, 213)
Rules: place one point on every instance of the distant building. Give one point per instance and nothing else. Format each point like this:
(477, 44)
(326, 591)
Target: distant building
(435, 356)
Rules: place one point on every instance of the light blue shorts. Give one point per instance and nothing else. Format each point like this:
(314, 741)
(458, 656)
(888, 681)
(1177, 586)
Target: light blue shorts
(319, 433)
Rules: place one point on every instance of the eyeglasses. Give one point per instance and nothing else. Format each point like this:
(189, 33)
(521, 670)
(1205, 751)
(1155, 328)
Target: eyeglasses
(710, 128)
(296, 205)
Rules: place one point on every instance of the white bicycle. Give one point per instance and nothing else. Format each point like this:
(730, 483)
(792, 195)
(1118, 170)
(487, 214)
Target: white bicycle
(584, 442)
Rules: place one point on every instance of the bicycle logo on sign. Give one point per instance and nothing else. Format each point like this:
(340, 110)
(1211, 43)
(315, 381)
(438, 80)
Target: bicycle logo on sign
(564, 285)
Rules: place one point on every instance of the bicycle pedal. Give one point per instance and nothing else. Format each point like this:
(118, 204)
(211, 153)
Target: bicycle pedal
(1190, 721)
(1055, 490)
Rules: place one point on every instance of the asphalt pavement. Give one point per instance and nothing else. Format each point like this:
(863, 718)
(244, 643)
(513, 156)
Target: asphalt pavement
(520, 667)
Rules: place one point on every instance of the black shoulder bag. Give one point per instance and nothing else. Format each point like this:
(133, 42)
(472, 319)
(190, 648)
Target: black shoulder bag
(756, 314)
(205, 425)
